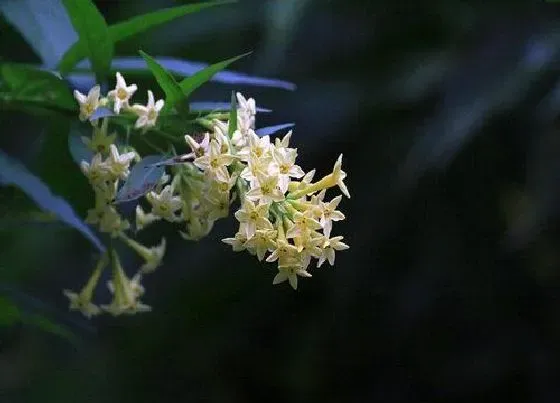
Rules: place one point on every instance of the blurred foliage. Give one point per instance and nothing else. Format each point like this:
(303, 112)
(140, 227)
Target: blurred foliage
(447, 116)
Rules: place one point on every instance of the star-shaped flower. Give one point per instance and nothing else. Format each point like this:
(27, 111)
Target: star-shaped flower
(147, 115)
(329, 247)
(89, 103)
(165, 204)
(119, 163)
(122, 93)
(253, 216)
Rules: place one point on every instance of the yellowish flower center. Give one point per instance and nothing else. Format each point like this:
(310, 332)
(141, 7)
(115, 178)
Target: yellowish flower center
(152, 114)
(214, 163)
(88, 108)
(284, 169)
(266, 189)
(254, 215)
(122, 94)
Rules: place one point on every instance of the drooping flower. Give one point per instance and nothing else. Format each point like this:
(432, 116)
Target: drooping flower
(82, 301)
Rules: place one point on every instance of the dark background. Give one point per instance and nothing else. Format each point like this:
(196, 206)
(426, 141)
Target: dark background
(447, 118)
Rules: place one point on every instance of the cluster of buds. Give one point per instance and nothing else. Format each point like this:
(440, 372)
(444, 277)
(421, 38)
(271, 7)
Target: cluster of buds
(283, 215)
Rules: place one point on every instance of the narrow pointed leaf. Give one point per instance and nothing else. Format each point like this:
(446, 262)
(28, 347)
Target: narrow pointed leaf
(143, 177)
(171, 88)
(83, 79)
(204, 106)
(190, 84)
(94, 34)
(133, 26)
(267, 131)
(12, 172)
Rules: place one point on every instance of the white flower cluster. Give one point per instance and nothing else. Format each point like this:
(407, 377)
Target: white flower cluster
(283, 215)
(282, 211)
(119, 99)
(107, 168)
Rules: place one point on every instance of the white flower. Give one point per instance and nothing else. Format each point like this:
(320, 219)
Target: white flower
(261, 242)
(246, 111)
(290, 273)
(125, 291)
(329, 247)
(339, 175)
(199, 149)
(147, 115)
(118, 164)
(82, 301)
(112, 222)
(214, 162)
(238, 242)
(254, 216)
(267, 190)
(165, 204)
(89, 103)
(285, 163)
(329, 213)
(256, 167)
(257, 147)
(144, 219)
(153, 257)
(97, 171)
(285, 142)
(122, 93)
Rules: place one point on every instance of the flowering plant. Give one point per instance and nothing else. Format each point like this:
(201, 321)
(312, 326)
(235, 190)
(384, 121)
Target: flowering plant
(227, 164)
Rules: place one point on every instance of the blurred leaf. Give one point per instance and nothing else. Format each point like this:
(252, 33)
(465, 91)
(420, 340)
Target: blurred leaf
(9, 312)
(79, 151)
(143, 177)
(14, 173)
(46, 325)
(232, 126)
(171, 88)
(84, 80)
(29, 85)
(267, 131)
(44, 24)
(190, 84)
(94, 34)
(217, 106)
(133, 26)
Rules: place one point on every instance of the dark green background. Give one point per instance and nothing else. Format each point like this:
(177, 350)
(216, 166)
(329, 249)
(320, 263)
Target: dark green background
(447, 118)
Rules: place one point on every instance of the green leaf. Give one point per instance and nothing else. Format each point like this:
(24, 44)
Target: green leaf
(133, 26)
(190, 84)
(28, 85)
(48, 326)
(9, 312)
(171, 88)
(94, 34)
(232, 126)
